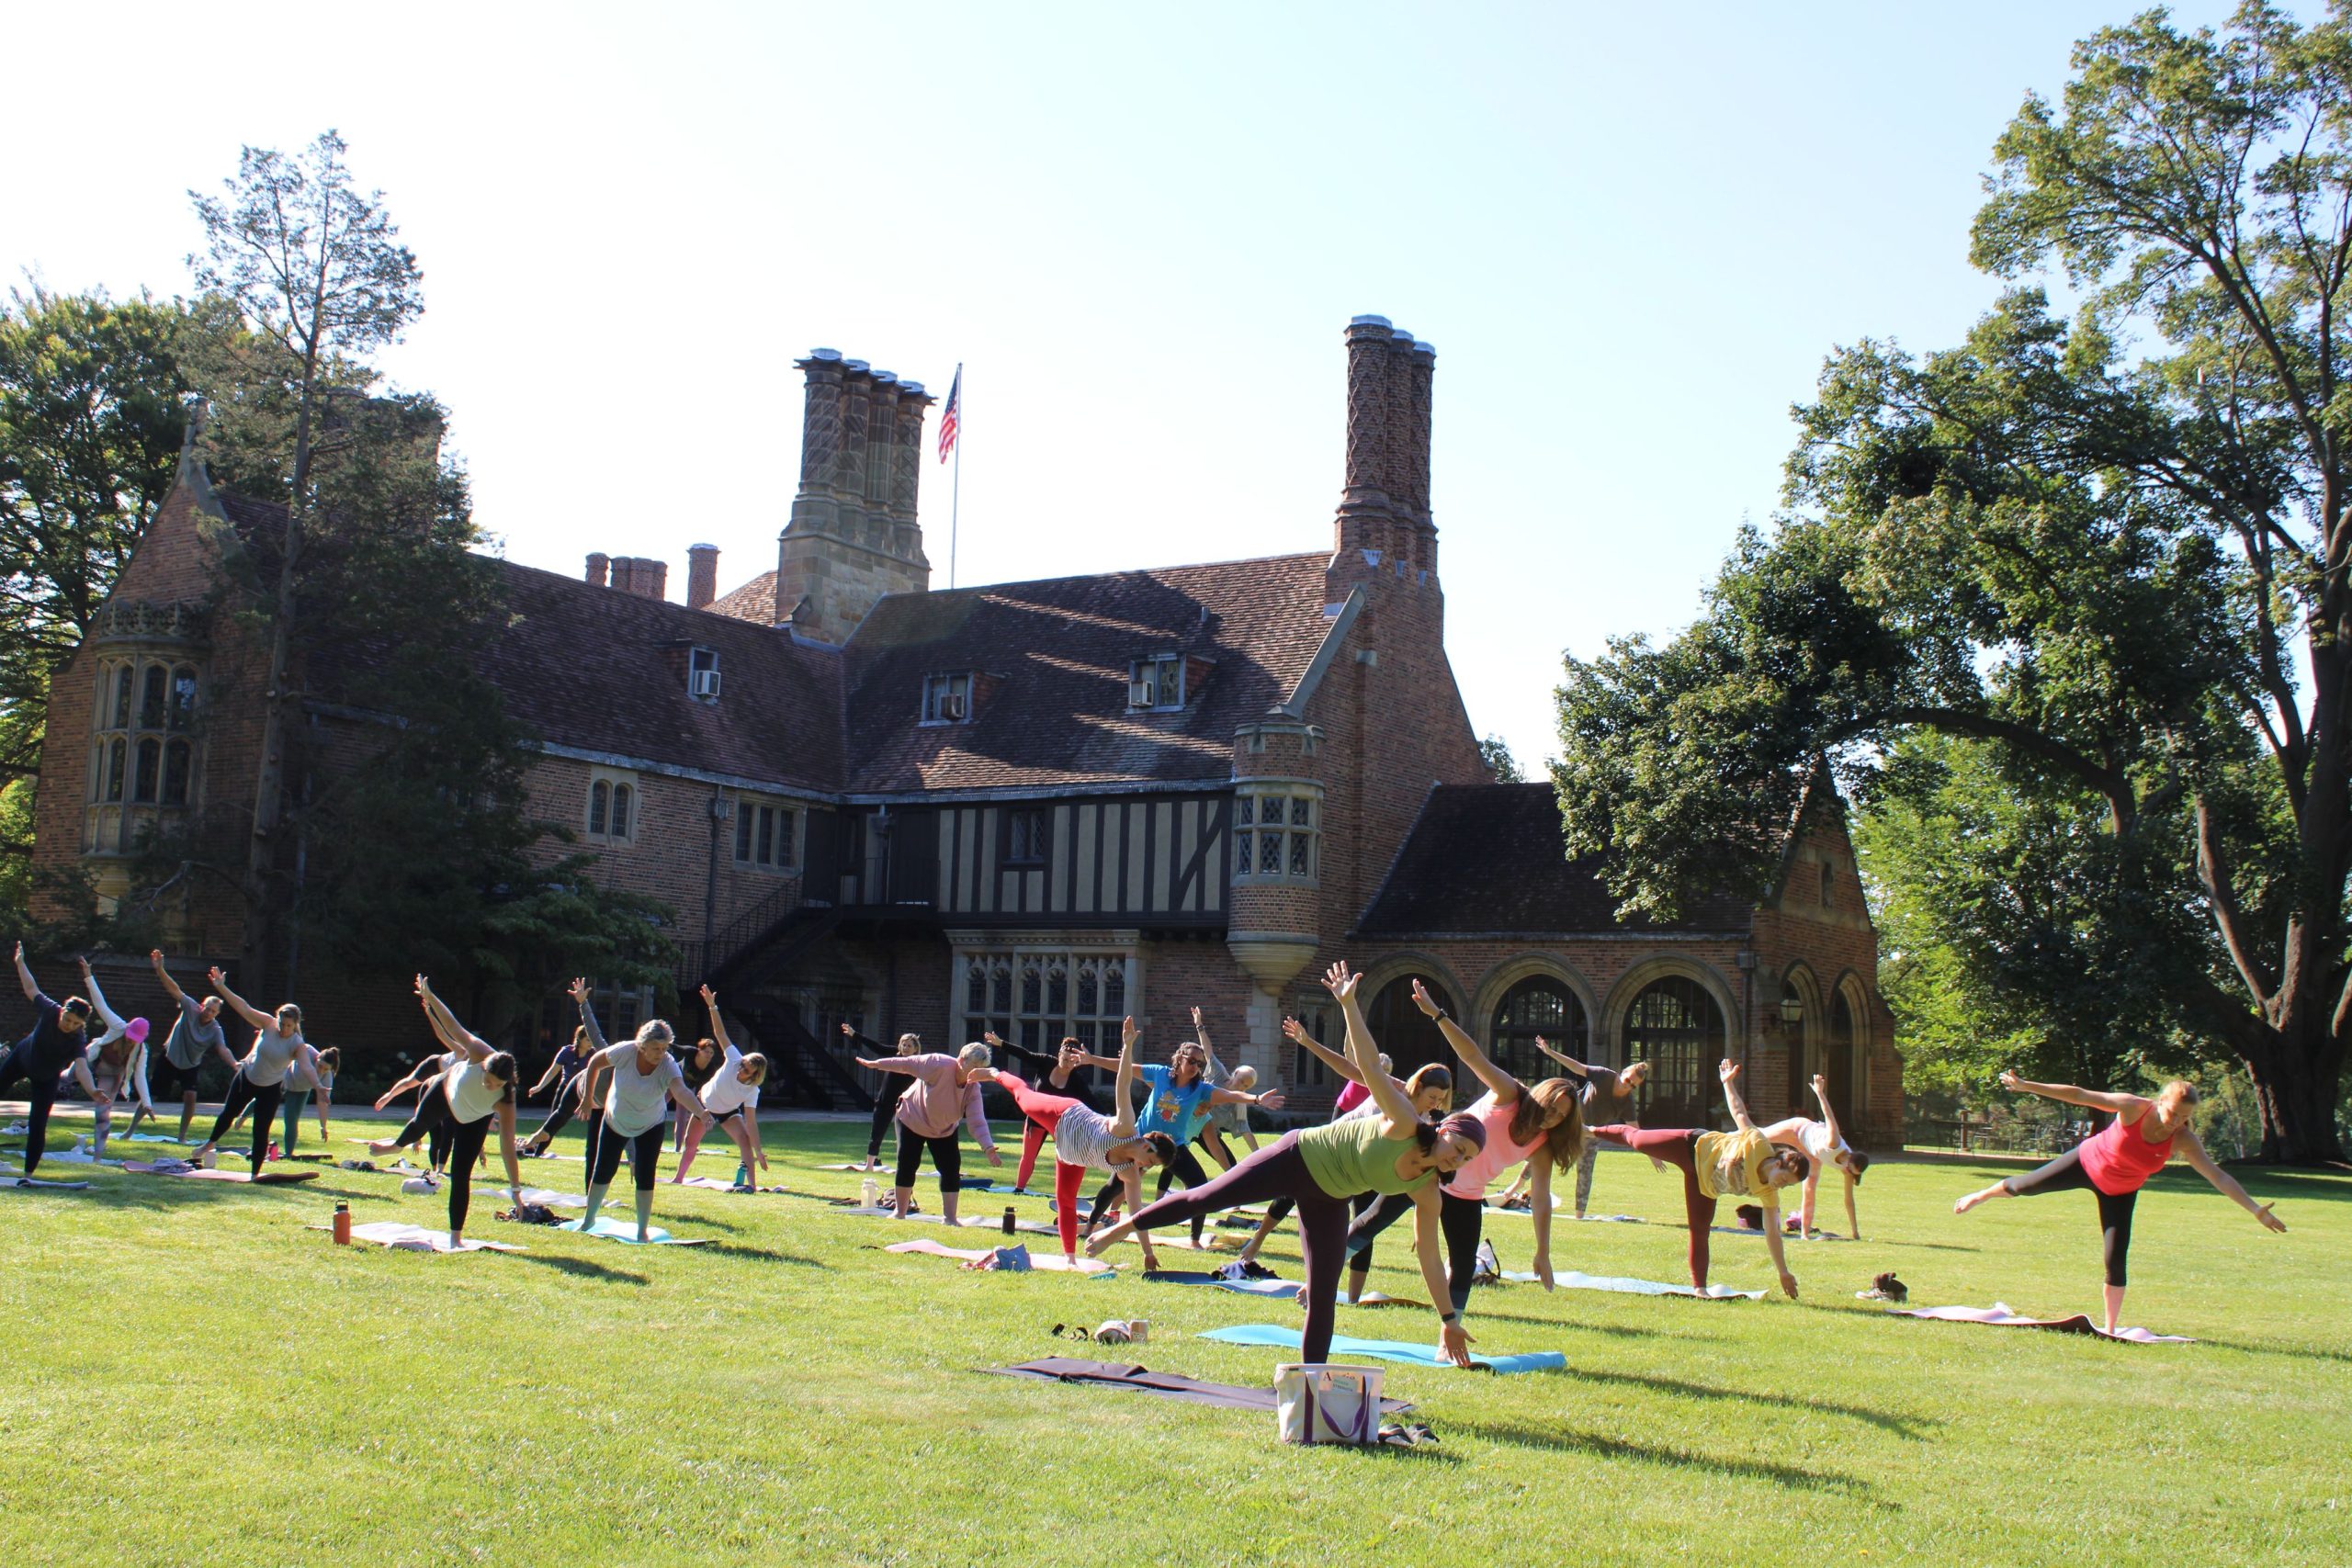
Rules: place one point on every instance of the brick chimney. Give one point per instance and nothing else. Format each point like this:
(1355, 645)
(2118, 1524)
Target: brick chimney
(1384, 521)
(702, 576)
(599, 566)
(853, 535)
(635, 574)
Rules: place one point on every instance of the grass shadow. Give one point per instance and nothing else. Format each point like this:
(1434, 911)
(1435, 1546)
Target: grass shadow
(1569, 1441)
(763, 1255)
(580, 1267)
(1902, 1426)
(2298, 1351)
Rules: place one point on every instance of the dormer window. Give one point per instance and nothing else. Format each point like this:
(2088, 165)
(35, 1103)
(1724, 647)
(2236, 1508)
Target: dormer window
(947, 699)
(1156, 682)
(702, 673)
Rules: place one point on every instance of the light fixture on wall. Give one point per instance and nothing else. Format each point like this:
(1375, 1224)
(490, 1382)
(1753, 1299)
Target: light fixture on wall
(1791, 1008)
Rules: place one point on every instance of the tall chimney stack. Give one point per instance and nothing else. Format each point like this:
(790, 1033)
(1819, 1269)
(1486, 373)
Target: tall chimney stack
(1384, 520)
(853, 537)
(599, 564)
(702, 575)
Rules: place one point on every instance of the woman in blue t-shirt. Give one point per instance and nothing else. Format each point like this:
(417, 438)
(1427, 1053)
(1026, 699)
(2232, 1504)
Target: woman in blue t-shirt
(1177, 1101)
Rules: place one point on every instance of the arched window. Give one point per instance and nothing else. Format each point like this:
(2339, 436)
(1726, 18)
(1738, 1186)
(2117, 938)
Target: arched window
(1408, 1039)
(1676, 1027)
(151, 698)
(118, 760)
(122, 699)
(176, 759)
(1539, 1005)
(183, 696)
(600, 805)
(1840, 1068)
(148, 772)
(622, 798)
(1794, 1022)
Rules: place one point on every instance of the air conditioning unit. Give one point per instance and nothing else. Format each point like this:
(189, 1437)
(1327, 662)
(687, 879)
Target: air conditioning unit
(705, 685)
(951, 708)
(1142, 693)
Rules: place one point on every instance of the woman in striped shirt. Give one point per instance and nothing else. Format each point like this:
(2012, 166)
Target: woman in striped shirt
(1084, 1140)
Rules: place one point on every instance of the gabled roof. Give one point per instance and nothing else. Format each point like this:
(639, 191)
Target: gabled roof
(1057, 714)
(755, 602)
(1490, 860)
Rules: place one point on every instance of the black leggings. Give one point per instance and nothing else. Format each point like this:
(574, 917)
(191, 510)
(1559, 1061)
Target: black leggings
(886, 1106)
(1186, 1164)
(21, 1063)
(946, 1158)
(466, 1139)
(263, 1099)
(1275, 1172)
(566, 1101)
(2114, 1208)
(1461, 1220)
(604, 1156)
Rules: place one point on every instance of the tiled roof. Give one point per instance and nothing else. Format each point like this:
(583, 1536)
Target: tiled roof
(1057, 714)
(755, 602)
(1489, 859)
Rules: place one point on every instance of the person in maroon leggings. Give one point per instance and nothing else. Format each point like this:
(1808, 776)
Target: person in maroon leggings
(1743, 1164)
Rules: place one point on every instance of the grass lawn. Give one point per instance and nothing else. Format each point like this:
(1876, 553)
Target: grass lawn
(253, 1395)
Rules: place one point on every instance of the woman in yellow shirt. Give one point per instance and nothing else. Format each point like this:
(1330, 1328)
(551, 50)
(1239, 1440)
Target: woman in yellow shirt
(1742, 1164)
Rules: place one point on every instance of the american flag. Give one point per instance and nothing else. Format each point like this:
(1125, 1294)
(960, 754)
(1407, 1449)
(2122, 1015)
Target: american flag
(952, 418)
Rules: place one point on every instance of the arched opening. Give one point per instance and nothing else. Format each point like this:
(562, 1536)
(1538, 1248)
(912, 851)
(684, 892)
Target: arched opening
(1539, 1005)
(1409, 1039)
(1796, 1018)
(1843, 1079)
(1676, 1027)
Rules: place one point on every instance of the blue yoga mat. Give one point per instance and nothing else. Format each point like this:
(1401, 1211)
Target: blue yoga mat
(611, 1229)
(1386, 1349)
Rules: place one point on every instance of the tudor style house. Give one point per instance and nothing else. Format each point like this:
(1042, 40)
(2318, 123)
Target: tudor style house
(1032, 807)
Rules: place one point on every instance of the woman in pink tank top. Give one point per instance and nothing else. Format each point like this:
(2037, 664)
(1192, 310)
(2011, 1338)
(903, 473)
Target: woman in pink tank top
(2117, 1161)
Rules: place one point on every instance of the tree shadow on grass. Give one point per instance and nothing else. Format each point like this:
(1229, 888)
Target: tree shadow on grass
(580, 1267)
(1902, 1426)
(764, 1255)
(1622, 1331)
(1565, 1439)
(2301, 1352)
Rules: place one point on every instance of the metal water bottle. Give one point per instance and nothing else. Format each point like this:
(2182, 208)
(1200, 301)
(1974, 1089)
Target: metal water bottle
(342, 1223)
(1008, 1219)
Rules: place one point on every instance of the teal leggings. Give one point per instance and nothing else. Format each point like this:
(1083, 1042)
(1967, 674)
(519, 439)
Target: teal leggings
(297, 1102)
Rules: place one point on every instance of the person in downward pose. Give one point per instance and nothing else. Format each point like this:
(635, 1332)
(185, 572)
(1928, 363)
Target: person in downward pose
(1086, 1139)
(645, 1083)
(1392, 1151)
(731, 1098)
(278, 1052)
(475, 1089)
(1744, 1163)
(1824, 1146)
(946, 1090)
(2117, 1161)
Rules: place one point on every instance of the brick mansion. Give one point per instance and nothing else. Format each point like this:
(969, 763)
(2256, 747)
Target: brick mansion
(1033, 807)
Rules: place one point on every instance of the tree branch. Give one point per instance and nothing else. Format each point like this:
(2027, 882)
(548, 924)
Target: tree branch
(2214, 877)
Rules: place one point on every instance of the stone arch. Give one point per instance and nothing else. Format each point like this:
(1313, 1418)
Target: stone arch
(1408, 1039)
(1802, 1044)
(1849, 1026)
(1505, 978)
(1681, 1090)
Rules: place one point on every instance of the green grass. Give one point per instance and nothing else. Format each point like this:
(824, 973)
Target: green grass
(252, 1394)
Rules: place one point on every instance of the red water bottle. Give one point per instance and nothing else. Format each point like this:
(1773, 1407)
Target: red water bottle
(342, 1223)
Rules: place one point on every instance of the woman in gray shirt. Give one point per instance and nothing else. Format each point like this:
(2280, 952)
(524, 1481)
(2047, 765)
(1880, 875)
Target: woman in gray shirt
(278, 1050)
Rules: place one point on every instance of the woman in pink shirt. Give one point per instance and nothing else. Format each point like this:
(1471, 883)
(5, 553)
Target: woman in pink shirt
(2117, 1161)
(946, 1090)
(1542, 1123)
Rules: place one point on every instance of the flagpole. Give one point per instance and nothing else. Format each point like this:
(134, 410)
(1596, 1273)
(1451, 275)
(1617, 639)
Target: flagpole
(956, 482)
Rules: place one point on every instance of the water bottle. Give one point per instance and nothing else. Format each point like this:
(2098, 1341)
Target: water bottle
(869, 1194)
(342, 1223)
(1008, 1219)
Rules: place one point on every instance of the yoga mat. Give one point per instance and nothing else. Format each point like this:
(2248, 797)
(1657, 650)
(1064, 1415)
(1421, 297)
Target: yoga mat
(145, 1138)
(968, 1183)
(267, 1177)
(1048, 1263)
(966, 1221)
(1386, 1349)
(1785, 1235)
(1280, 1290)
(712, 1184)
(1999, 1314)
(38, 1185)
(1569, 1279)
(416, 1238)
(1165, 1385)
(549, 1198)
(610, 1229)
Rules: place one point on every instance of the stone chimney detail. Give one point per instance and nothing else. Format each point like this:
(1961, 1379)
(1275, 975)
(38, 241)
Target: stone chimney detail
(854, 535)
(633, 574)
(702, 576)
(1384, 509)
(599, 565)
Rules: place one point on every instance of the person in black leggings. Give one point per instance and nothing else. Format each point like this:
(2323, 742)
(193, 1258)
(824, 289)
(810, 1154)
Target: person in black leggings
(43, 1057)
(886, 1098)
(564, 1073)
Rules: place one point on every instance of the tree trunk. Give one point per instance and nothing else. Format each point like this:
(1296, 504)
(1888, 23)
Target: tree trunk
(2295, 1086)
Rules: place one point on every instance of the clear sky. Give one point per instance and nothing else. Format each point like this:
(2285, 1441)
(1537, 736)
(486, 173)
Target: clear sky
(1632, 233)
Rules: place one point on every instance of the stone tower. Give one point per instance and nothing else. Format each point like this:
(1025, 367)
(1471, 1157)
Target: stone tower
(852, 535)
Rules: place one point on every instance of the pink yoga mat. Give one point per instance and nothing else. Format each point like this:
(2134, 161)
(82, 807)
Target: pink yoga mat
(1048, 1263)
(267, 1177)
(416, 1238)
(1999, 1314)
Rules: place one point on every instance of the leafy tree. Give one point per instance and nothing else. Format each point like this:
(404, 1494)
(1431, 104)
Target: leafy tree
(1496, 751)
(93, 410)
(2112, 553)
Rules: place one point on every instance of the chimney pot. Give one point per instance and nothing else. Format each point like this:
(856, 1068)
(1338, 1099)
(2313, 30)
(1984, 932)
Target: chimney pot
(857, 365)
(702, 576)
(825, 354)
(599, 564)
(1370, 322)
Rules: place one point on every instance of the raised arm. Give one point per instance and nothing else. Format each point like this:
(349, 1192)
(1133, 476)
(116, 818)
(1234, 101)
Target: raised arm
(1505, 1087)
(107, 1015)
(588, 1015)
(236, 1003)
(25, 975)
(1296, 1034)
(1728, 1070)
(887, 1064)
(163, 978)
(2193, 1151)
(1828, 1112)
(2089, 1099)
(1343, 982)
(718, 1024)
(1123, 1125)
(1579, 1068)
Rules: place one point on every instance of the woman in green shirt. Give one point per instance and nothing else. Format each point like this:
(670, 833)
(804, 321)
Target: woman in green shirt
(1319, 1170)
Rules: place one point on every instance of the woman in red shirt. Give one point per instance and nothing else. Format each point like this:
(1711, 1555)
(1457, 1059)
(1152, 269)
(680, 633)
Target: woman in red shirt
(2117, 1161)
